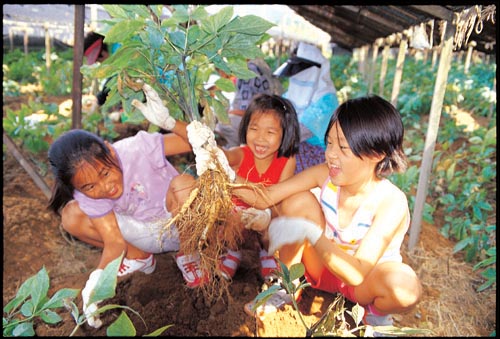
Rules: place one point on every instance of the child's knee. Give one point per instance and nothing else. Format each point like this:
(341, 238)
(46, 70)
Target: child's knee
(182, 182)
(409, 290)
(302, 204)
(71, 216)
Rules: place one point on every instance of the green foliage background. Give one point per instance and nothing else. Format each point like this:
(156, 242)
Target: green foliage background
(463, 178)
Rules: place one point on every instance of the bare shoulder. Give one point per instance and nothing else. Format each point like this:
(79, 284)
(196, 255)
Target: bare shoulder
(393, 195)
(234, 156)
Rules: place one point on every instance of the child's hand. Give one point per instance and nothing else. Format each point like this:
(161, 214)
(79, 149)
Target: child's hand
(254, 219)
(204, 159)
(286, 231)
(92, 320)
(200, 135)
(202, 139)
(154, 110)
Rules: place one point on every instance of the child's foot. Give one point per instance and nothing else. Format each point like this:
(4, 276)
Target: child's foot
(128, 266)
(229, 263)
(375, 319)
(276, 302)
(268, 266)
(189, 265)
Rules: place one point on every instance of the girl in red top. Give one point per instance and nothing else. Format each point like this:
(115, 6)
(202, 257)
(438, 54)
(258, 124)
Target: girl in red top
(269, 135)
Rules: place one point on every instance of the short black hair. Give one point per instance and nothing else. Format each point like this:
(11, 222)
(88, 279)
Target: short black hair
(372, 126)
(289, 121)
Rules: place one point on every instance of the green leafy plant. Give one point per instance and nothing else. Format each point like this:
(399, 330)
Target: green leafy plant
(32, 136)
(177, 55)
(333, 322)
(32, 302)
(490, 271)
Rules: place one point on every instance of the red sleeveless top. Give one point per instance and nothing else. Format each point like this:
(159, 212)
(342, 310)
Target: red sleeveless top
(249, 172)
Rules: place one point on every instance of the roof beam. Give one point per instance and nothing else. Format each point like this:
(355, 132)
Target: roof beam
(439, 12)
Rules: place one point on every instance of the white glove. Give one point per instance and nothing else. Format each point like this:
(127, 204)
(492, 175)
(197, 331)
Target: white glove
(200, 134)
(254, 219)
(285, 231)
(154, 110)
(202, 139)
(93, 321)
(204, 160)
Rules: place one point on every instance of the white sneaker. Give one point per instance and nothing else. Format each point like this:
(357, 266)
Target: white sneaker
(128, 266)
(189, 265)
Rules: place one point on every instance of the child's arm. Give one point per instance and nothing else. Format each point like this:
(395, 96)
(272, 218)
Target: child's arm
(390, 221)
(113, 246)
(289, 169)
(177, 142)
(264, 197)
(113, 242)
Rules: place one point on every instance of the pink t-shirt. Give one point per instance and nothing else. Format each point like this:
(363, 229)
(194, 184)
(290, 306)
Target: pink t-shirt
(146, 178)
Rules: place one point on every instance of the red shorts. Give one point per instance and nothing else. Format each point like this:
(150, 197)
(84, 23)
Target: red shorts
(330, 283)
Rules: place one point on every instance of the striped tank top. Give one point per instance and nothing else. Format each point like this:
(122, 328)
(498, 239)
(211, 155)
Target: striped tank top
(349, 238)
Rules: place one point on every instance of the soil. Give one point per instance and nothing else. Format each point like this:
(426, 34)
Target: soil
(33, 239)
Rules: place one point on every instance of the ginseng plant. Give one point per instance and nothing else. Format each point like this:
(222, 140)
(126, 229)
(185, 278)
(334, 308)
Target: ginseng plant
(176, 53)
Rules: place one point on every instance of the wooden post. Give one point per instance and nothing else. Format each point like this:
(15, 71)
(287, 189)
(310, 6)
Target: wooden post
(363, 51)
(434, 56)
(399, 69)
(432, 131)
(373, 65)
(468, 57)
(76, 94)
(47, 47)
(11, 39)
(26, 41)
(383, 69)
(93, 18)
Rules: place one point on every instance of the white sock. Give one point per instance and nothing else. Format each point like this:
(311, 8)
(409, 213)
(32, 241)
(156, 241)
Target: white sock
(236, 254)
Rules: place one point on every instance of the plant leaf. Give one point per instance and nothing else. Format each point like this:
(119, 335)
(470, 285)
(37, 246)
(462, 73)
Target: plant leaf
(58, 298)
(24, 329)
(249, 24)
(158, 331)
(106, 285)
(50, 317)
(121, 327)
(123, 30)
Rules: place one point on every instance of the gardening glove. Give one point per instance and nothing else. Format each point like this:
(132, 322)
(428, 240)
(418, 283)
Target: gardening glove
(200, 135)
(202, 139)
(204, 160)
(254, 219)
(94, 320)
(286, 230)
(154, 110)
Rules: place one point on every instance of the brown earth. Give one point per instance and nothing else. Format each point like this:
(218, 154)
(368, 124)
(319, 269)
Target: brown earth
(32, 239)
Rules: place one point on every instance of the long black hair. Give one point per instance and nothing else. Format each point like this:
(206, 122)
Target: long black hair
(372, 126)
(289, 121)
(66, 154)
